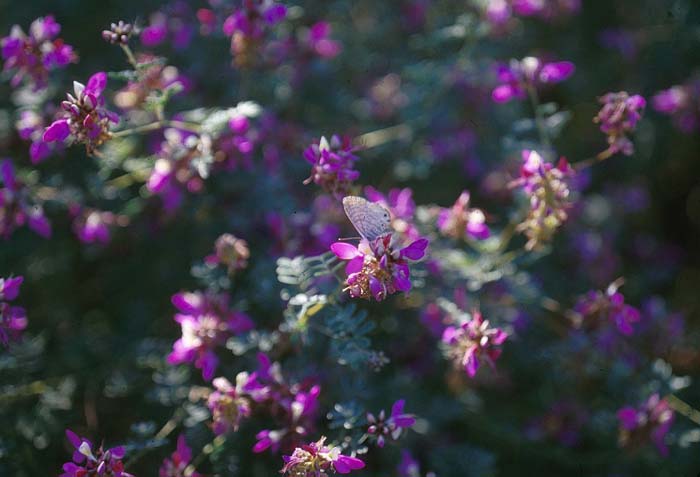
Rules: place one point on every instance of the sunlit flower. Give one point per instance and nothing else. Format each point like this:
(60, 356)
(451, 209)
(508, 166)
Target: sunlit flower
(207, 322)
(648, 423)
(461, 221)
(473, 342)
(332, 165)
(318, 460)
(618, 118)
(378, 269)
(89, 461)
(547, 188)
(228, 404)
(231, 252)
(85, 119)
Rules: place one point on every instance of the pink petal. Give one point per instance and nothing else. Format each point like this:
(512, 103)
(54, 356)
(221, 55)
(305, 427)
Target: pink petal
(345, 251)
(57, 131)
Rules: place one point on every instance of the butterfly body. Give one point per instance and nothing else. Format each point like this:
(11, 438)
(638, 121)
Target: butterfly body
(370, 219)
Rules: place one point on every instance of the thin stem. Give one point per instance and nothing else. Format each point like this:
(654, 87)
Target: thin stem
(539, 118)
(382, 136)
(683, 408)
(130, 56)
(27, 390)
(193, 127)
(206, 450)
(586, 163)
(164, 432)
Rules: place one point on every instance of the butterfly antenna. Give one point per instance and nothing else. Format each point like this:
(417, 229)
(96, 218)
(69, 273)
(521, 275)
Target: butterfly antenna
(343, 239)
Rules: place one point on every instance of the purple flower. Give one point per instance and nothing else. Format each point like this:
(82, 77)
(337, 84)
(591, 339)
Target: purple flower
(546, 9)
(173, 22)
(175, 170)
(547, 188)
(460, 221)
(13, 319)
(89, 461)
(382, 426)
(318, 40)
(92, 226)
(206, 323)
(618, 118)
(650, 422)
(32, 56)
(154, 78)
(175, 465)
(400, 204)
(597, 309)
(30, 127)
(317, 460)
(248, 25)
(84, 118)
(231, 252)
(18, 207)
(332, 165)
(377, 269)
(228, 404)
(295, 404)
(682, 103)
(473, 342)
(517, 76)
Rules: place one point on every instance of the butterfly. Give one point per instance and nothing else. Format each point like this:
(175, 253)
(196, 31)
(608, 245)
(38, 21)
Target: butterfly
(370, 219)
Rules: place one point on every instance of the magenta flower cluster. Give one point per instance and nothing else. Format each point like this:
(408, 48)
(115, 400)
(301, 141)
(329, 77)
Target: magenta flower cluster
(378, 269)
(499, 12)
(383, 427)
(13, 319)
(547, 189)
(618, 118)
(85, 119)
(31, 57)
(332, 165)
(682, 103)
(648, 423)
(18, 206)
(516, 78)
(292, 405)
(316, 459)
(248, 24)
(207, 322)
(89, 461)
(176, 465)
(597, 309)
(473, 342)
(460, 221)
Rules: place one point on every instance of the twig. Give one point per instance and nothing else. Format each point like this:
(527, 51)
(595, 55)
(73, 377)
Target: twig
(193, 127)
(382, 136)
(683, 408)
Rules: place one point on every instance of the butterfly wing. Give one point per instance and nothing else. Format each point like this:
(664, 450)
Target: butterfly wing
(371, 220)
